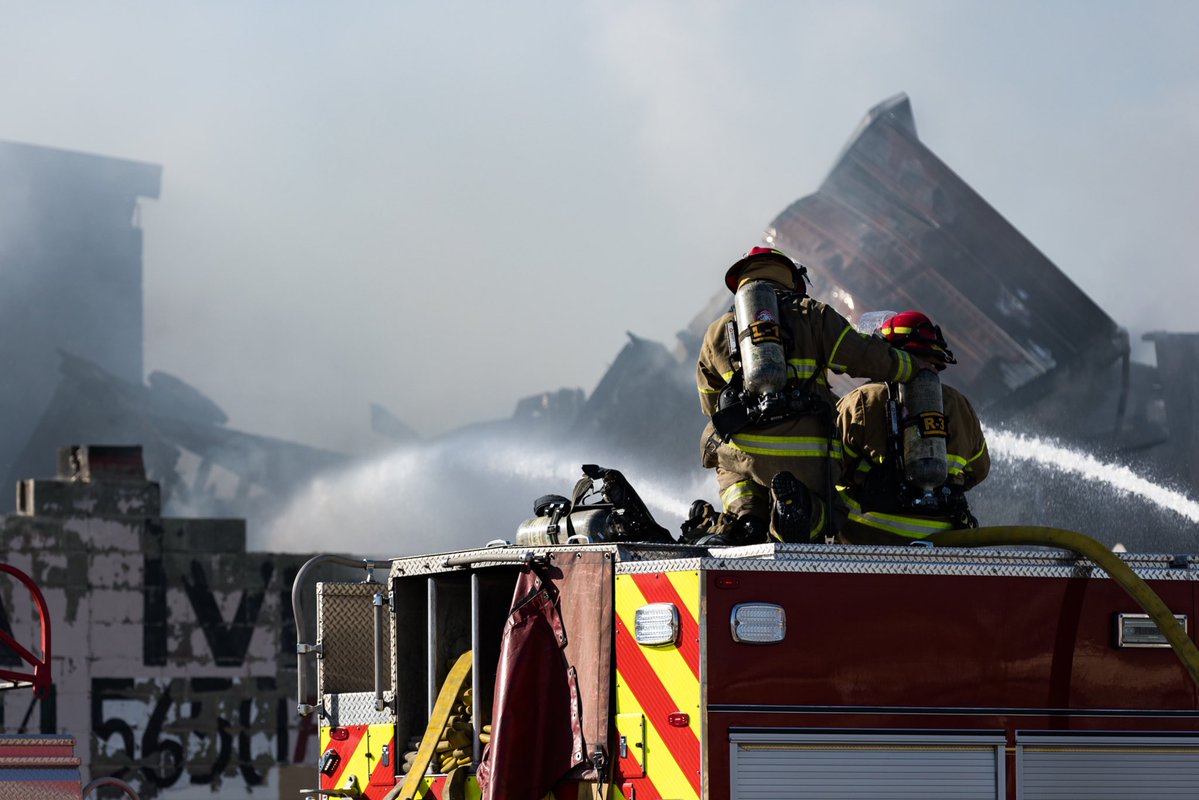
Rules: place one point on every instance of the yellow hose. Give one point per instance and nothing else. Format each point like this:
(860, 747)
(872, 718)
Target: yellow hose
(454, 684)
(1110, 563)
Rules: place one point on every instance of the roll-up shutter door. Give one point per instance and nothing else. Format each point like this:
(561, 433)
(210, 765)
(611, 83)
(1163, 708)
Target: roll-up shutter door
(1106, 768)
(797, 766)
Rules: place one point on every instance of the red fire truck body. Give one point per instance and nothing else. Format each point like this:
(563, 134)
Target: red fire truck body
(787, 671)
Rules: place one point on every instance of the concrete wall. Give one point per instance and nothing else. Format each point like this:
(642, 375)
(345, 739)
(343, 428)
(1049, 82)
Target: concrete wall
(173, 648)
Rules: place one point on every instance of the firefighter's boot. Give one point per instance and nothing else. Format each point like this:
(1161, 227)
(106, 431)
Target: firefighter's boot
(791, 509)
(754, 530)
(710, 529)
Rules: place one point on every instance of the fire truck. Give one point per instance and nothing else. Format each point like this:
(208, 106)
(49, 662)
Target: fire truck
(992, 663)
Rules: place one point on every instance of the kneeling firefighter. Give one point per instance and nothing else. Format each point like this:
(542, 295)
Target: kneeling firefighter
(762, 382)
(910, 452)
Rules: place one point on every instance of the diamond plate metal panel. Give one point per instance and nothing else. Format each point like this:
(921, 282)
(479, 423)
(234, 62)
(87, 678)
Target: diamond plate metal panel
(1000, 561)
(38, 786)
(345, 628)
(435, 564)
(357, 708)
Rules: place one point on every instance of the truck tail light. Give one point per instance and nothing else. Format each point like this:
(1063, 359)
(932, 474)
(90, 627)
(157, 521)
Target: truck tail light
(656, 624)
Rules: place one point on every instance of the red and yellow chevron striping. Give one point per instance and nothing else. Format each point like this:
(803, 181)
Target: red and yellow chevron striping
(360, 755)
(659, 681)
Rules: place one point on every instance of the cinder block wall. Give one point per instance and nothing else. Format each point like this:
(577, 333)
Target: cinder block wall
(173, 648)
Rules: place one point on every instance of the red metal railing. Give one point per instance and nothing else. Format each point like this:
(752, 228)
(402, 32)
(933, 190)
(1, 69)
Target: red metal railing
(39, 678)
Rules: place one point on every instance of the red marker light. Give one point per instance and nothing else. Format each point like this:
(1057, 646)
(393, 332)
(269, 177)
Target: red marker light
(340, 734)
(678, 719)
(727, 582)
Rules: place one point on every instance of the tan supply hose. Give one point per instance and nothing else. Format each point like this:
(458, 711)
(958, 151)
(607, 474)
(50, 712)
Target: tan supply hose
(447, 698)
(1110, 563)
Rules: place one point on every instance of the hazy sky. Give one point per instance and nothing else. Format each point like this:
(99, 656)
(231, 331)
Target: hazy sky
(445, 206)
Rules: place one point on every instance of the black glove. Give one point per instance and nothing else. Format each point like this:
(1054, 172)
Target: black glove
(958, 509)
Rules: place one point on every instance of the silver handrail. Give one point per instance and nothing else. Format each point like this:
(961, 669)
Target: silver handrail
(379, 600)
(497, 557)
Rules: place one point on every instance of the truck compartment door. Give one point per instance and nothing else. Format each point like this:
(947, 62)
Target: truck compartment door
(631, 729)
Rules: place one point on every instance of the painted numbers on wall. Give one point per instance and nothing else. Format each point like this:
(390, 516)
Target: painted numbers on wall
(196, 730)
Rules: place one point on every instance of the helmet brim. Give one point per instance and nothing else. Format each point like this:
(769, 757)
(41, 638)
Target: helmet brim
(733, 276)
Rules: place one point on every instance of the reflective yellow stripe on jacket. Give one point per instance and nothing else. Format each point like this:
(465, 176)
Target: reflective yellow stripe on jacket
(758, 444)
(909, 527)
(958, 464)
(738, 490)
(801, 369)
(904, 368)
(832, 356)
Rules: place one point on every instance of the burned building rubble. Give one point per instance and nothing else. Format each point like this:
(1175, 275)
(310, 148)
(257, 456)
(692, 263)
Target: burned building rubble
(645, 403)
(70, 277)
(71, 314)
(203, 467)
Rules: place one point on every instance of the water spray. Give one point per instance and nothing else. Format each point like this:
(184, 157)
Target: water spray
(1005, 445)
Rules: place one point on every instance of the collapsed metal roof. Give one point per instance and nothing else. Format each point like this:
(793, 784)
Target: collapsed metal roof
(893, 227)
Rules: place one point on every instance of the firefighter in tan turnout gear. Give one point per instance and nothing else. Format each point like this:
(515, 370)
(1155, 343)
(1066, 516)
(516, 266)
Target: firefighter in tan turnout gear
(762, 381)
(906, 466)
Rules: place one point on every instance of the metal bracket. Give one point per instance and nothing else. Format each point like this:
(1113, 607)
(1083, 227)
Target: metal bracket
(304, 709)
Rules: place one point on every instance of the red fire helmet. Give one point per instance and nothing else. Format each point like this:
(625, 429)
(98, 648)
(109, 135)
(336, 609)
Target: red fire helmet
(916, 333)
(733, 276)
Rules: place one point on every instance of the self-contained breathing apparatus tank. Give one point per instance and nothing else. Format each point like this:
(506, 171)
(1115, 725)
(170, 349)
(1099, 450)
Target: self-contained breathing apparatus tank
(917, 417)
(925, 460)
(759, 393)
(557, 523)
(760, 340)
